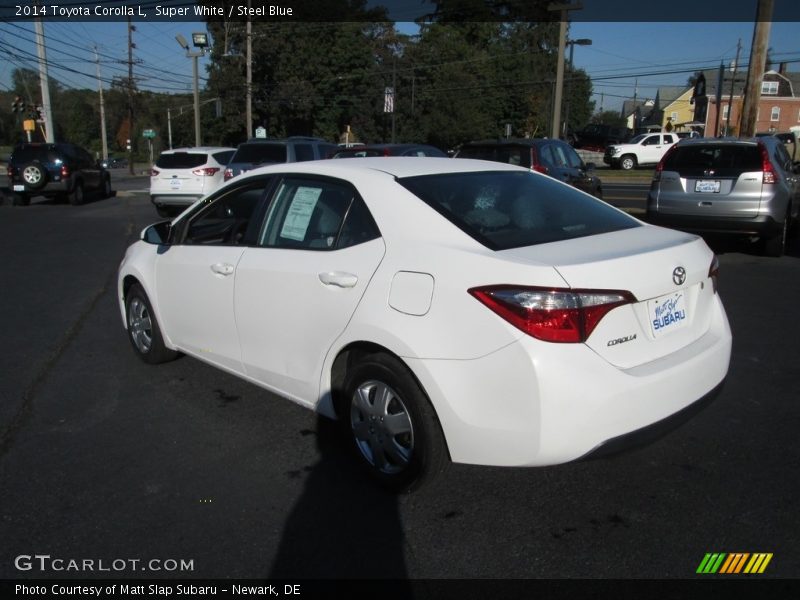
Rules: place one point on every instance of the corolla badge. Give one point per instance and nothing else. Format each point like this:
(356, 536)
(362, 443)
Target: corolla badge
(678, 275)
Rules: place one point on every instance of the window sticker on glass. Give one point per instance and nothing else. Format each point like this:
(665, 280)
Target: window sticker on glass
(299, 214)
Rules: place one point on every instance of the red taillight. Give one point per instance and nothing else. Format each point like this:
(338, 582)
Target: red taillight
(552, 315)
(9, 171)
(770, 175)
(713, 273)
(205, 171)
(64, 171)
(154, 172)
(228, 174)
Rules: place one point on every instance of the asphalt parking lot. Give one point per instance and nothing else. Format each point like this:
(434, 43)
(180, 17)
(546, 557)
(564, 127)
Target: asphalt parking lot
(105, 458)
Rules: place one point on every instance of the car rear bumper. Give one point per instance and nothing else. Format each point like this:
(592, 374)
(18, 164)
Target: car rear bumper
(762, 225)
(525, 405)
(174, 199)
(51, 188)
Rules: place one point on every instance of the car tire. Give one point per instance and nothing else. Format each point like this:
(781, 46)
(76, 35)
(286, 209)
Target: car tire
(20, 199)
(627, 162)
(34, 175)
(107, 192)
(400, 453)
(776, 246)
(144, 332)
(76, 197)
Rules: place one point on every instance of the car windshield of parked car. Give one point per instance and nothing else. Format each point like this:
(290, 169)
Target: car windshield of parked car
(181, 160)
(503, 210)
(722, 159)
(260, 153)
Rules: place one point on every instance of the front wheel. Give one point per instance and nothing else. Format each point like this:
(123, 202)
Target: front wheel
(143, 330)
(628, 162)
(391, 424)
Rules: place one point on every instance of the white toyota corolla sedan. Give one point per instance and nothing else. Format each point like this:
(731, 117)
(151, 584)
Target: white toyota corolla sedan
(441, 309)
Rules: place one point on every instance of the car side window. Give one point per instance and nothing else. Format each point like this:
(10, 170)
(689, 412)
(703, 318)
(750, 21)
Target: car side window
(309, 214)
(228, 219)
(783, 157)
(652, 140)
(546, 156)
(560, 157)
(303, 152)
(573, 159)
(667, 139)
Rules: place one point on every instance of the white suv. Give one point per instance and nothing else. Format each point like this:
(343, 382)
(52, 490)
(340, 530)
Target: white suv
(184, 175)
(644, 149)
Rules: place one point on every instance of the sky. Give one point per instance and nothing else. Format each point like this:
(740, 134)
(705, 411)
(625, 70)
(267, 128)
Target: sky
(624, 57)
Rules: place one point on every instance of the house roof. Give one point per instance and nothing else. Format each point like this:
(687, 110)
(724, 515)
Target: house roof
(668, 94)
(629, 106)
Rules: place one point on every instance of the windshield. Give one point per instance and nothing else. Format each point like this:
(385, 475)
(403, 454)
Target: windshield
(510, 209)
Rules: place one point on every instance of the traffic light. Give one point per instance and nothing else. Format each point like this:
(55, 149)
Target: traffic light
(18, 105)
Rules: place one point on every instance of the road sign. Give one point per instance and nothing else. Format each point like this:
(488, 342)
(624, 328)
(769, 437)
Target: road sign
(149, 133)
(261, 132)
(29, 125)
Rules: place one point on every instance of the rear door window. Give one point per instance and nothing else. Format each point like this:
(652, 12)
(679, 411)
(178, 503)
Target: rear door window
(303, 152)
(181, 160)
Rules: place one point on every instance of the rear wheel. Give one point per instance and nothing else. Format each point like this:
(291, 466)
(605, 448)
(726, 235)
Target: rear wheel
(107, 191)
(76, 197)
(627, 162)
(391, 424)
(776, 246)
(143, 330)
(20, 200)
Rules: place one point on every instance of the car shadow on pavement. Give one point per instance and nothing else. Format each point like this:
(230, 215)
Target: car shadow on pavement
(725, 245)
(342, 526)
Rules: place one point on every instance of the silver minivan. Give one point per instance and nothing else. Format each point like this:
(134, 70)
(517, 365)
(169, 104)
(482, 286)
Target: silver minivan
(747, 187)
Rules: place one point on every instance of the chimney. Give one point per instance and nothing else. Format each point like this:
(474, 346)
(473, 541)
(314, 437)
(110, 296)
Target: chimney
(782, 68)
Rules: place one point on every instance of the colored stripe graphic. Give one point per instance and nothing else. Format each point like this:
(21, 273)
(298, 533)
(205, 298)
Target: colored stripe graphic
(733, 563)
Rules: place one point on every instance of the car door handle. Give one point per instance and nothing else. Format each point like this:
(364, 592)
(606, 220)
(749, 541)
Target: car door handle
(222, 268)
(338, 278)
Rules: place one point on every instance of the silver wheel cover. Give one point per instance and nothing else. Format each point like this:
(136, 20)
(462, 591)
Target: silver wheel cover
(140, 326)
(382, 427)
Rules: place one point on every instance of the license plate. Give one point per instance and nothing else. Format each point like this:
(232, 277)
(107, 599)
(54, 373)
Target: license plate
(707, 186)
(175, 184)
(19, 188)
(667, 313)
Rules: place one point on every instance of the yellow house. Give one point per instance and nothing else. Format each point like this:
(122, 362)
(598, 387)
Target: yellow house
(678, 110)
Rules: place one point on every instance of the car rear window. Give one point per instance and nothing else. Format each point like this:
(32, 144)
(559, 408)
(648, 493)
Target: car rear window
(181, 160)
(29, 153)
(258, 154)
(723, 159)
(503, 210)
(511, 155)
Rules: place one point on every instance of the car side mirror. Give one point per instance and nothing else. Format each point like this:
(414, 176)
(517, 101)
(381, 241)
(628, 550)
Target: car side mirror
(590, 166)
(158, 233)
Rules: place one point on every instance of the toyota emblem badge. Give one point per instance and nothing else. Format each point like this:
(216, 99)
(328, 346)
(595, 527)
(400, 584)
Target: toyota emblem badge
(679, 275)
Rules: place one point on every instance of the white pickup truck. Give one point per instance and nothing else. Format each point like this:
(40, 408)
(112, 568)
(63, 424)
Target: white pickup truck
(644, 149)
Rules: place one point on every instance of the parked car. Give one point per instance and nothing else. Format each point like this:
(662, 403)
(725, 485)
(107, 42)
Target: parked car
(597, 136)
(790, 139)
(442, 309)
(182, 176)
(644, 149)
(258, 152)
(746, 187)
(388, 150)
(549, 156)
(62, 171)
(115, 162)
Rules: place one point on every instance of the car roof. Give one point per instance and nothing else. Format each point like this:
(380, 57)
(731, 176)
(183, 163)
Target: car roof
(393, 166)
(197, 149)
(511, 142)
(725, 140)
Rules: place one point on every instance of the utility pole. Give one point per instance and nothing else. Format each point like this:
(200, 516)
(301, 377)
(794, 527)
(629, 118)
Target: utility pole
(564, 9)
(169, 128)
(50, 137)
(394, 91)
(755, 71)
(249, 86)
(131, 29)
(102, 107)
(733, 83)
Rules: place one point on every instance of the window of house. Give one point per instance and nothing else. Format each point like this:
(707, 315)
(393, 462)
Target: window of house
(725, 110)
(674, 116)
(775, 115)
(769, 88)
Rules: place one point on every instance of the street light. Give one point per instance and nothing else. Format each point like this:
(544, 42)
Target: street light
(571, 44)
(199, 40)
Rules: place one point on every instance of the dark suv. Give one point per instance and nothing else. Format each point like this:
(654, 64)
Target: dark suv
(61, 171)
(259, 152)
(549, 156)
